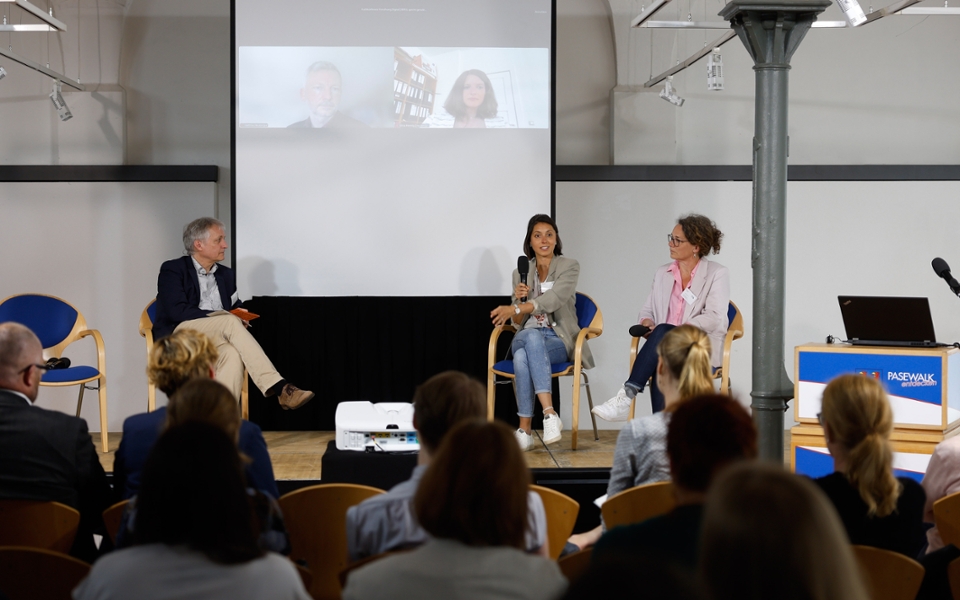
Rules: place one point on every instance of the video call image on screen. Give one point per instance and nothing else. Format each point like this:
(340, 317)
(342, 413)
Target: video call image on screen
(394, 87)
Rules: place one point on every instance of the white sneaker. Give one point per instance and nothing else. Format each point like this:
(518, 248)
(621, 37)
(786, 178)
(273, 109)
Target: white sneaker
(524, 439)
(551, 428)
(614, 409)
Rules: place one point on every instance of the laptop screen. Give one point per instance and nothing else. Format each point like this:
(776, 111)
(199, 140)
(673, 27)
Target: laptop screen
(887, 319)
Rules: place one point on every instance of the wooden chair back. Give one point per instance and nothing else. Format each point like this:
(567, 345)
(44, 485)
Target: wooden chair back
(575, 564)
(562, 511)
(638, 504)
(316, 520)
(36, 574)
(889, 575)
(45, 525)
(946, 516)
(953, 576)
(113, 517)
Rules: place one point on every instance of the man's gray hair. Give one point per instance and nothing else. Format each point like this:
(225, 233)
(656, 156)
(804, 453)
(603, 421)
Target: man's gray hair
(199, 230)
(322, 65)
(15, 341)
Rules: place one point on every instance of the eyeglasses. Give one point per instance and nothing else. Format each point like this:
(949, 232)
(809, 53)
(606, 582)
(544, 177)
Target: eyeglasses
(43, 368)
(673, 240)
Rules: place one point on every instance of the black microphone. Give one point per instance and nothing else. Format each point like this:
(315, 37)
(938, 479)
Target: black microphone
(942, 270)
(639, 330)
(58, 363)
(523, 266)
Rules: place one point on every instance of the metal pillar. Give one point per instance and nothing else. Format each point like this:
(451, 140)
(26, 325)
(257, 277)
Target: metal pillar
(771, 32)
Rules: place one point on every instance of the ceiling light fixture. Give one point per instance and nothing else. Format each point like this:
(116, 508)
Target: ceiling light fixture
(669, 94)
(58, 103)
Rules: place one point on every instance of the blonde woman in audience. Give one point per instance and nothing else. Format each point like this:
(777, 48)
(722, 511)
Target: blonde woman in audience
(472, 501)
(195, 534)
(771, 535)
(876, 508)
(683, 371)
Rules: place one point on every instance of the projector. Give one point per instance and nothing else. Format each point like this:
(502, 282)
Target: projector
(381, 427)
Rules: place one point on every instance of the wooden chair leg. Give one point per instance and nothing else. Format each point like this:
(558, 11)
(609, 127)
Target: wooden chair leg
(491, 393)
(151, 397)
(633, 407)
(575, 417)
(103, 413)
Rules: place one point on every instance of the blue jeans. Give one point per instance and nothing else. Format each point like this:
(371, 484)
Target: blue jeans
(534, 350)
(645, 367)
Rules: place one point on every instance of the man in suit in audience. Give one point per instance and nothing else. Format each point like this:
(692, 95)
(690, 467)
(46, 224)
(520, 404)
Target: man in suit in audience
(386, 522)
(46, 455)
(195, 292)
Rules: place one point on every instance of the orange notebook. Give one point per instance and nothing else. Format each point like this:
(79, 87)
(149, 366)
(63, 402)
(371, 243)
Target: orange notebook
(246, 315)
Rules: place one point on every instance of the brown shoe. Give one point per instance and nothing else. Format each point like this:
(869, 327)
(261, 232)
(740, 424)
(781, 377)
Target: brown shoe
(292, 397)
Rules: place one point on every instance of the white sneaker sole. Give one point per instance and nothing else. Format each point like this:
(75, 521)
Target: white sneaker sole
(596, 410)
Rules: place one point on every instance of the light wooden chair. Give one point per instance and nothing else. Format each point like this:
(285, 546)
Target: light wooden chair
(36, 574)
(889, 575)
(575, 564)
(58, 324)
(590, 320)
(638, 504)
(316, 519)
(562, 511)
(113, 518)
(45, 525)
(147, 317)
(734, 332)
(946, 516)
(953, 576)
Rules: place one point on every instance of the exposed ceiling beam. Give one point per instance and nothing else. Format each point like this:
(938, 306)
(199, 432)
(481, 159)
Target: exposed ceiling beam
(38, 67)
(723, 39)
(39, 13)
(648, 12)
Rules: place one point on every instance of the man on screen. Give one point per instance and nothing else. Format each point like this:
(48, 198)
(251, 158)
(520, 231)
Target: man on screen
(194, 291)
(321, 91)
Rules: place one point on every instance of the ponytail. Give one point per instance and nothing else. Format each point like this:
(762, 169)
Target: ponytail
(685, 351)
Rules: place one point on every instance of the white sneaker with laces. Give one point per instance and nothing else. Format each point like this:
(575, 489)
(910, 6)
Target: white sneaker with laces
(614, 409)
(524, 439)
(551, 428)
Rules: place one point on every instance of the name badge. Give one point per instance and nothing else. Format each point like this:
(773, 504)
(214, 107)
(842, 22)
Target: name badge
(688, 296)
(546, 286)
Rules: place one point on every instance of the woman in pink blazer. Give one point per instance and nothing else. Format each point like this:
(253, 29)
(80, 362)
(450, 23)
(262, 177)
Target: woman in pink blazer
(690, 289)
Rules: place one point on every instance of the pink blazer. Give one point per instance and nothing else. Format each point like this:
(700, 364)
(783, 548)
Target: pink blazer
(711, 286)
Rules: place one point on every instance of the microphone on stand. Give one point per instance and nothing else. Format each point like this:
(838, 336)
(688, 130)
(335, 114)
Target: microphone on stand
(523, 267)
(942, 270)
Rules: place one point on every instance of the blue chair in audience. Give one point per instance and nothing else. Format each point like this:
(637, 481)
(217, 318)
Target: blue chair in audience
(590, 320)
(58, 324)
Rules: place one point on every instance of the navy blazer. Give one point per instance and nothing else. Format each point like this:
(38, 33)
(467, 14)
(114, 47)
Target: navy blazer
(178, 294)
(142, 430)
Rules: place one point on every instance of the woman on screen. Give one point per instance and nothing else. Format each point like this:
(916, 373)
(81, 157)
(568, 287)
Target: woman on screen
(544, 313)
(690, 289)
(470, 104)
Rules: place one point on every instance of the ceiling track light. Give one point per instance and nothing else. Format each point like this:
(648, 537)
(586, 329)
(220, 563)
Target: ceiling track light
(3, 72)
(58, 103)
(669, 94)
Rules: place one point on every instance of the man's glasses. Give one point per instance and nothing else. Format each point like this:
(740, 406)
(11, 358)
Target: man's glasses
(41, 367)
(674, 241)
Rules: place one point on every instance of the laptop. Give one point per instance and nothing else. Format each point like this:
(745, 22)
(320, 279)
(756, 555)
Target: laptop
(888, 321)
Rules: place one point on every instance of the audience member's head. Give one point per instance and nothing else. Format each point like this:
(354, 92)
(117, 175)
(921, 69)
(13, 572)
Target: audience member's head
(443, 401)
(181, 356)
(645, 576)
(475, 490)
(857, 422)
(21, 360)
(205, 400)
(706, 433)
(685, 358)
(769, 534)
(193, 493)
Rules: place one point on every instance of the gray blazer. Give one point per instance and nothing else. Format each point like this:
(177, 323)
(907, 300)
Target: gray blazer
(560, 303)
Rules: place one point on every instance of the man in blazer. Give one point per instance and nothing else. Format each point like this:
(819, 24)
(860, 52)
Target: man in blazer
(46, 455)
(195, 292)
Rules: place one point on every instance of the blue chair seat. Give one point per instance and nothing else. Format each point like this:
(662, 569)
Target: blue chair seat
(506, 366)
(70, 375)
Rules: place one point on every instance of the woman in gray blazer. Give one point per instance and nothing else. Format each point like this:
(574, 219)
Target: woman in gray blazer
(544, 312)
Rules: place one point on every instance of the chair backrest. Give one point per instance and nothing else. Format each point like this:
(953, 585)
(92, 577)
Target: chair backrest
(575, 564)
(562, 511)
(638, 504)
(113, 518)
(588, 314)
(32, 573)
(946, 516)
(316, 520)
(147, 317)
(53, 320)
(953, 576)
(45, 525)
(889, 575)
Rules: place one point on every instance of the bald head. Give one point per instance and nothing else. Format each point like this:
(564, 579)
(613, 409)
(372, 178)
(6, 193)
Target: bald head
(19, 349)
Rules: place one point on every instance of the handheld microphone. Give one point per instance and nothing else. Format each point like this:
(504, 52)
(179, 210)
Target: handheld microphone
(942, 270)
(523, 267)
(639, 330)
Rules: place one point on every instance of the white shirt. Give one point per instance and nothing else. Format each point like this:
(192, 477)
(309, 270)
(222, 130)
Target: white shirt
(209, 292)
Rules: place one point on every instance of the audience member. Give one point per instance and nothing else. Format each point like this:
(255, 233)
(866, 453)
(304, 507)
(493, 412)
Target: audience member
(639, 575)
(473, 501)
(386, 522)
(683, 371)
(174, 360)
(876, 508)
(941, 479)
(194, 531)
(706, 434)
(771, 535)
(46, 455)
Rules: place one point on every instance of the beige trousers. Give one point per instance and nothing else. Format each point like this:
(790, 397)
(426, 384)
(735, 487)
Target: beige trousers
(237, 350)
